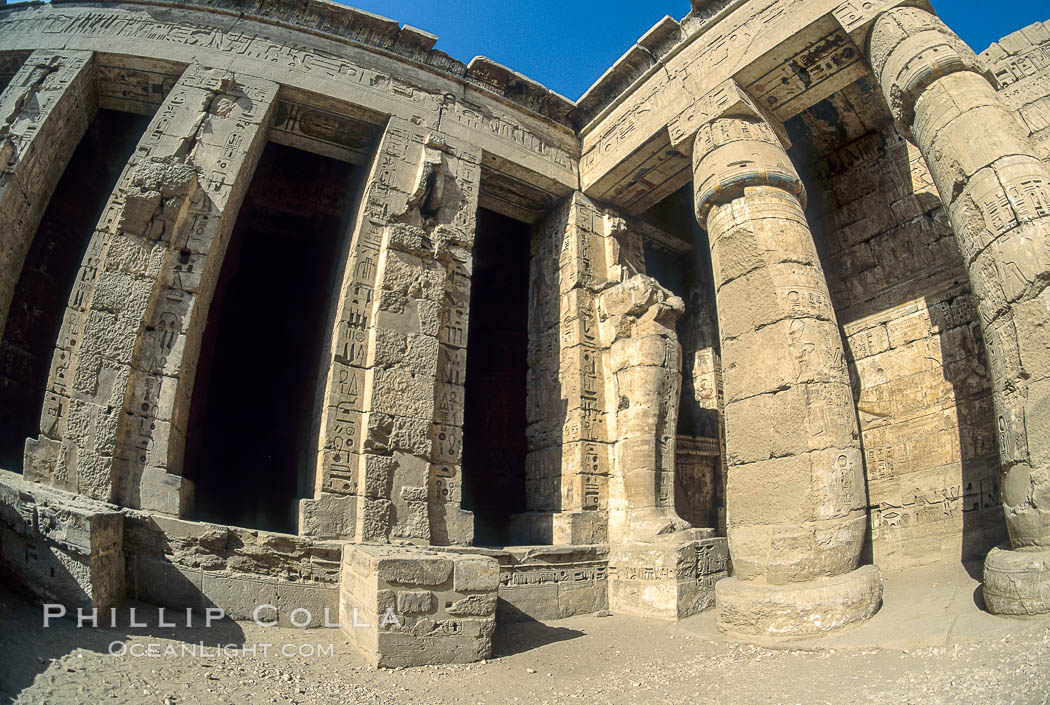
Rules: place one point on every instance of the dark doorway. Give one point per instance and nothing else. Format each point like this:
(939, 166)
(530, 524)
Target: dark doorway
(494, 446)
(252, 432)
(50, 267)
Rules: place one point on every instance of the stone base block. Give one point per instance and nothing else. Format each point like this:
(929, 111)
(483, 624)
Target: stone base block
(450, 525)
(798, 609)
(154, 490)
(62, 548)
(408, 606)
(579, 528)
(669, 581)
(1017, 583)
(551, 582)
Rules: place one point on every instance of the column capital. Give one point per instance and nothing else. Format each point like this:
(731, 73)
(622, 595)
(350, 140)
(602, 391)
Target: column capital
(734, 153)
(727, 100)
(909, 49)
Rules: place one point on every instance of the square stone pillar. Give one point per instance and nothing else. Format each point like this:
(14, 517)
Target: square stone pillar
(568, 463)
(114, 417)
(44, 112)
(389, 465)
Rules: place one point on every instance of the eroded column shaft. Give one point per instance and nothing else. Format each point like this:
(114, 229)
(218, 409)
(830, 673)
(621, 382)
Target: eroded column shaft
(795, 497)
(796, 494)
(997, 194)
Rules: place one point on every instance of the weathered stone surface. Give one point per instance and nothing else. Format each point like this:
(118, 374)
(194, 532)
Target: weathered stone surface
(1016, 582)
(44, 111)
(115, 402)
(184, 564)
(800, 486)
(798, 609)
(795, 492)
(671, 581)
(845, 290)
(996, 190)
(398, 606)
(62, 548)
(551, 582)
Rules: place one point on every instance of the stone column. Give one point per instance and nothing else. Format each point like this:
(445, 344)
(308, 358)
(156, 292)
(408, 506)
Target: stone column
(114, 416)
(44, 112)
(795, 499)
(997, 194)
(390, 446)
(567, 468)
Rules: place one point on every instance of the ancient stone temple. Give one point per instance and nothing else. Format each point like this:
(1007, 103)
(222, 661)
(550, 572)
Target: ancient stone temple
(297, 311)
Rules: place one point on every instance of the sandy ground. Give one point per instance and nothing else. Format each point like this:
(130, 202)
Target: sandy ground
(929, 645)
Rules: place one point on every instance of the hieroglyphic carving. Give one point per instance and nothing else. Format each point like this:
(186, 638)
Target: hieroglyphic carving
(998, 198)
(696, 479)
(10, 62)
(44, 112)
(134, 85)
(713, 56)
(391, 432)
(527, 575)
(856, 15)
(424, 106)
(127, 350)
(343, 136)
(1020, 64)
(342, 431)
(831, 58)
(890, 520)
(568, 462)
(788, 404)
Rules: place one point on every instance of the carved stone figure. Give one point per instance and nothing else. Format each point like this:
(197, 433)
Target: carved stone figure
(638, 318)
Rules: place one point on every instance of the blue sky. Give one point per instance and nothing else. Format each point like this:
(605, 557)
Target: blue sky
(567, 44)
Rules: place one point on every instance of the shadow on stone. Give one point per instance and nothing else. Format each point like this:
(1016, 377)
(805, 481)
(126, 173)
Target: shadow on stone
(517, 632)
(978, 598)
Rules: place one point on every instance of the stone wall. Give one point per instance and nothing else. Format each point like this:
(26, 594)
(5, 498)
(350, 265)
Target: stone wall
(185, 564)
(1020, 63)
(916, 358)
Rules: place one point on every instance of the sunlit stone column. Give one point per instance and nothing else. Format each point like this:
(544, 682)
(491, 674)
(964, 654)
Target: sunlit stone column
(795, 498)
(997, 193)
